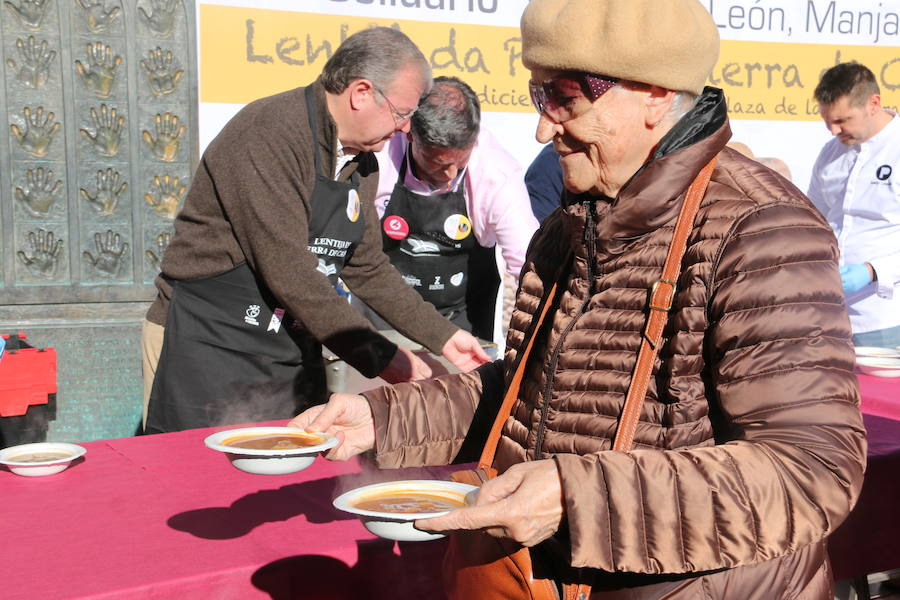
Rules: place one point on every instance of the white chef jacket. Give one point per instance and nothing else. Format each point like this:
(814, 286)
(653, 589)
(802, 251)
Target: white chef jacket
(857, 189)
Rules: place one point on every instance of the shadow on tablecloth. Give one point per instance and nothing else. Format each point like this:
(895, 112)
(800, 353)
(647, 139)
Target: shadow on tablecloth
(309, 498)
(412, 570)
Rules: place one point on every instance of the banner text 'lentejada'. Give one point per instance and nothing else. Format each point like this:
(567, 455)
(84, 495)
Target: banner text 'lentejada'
(250, 53)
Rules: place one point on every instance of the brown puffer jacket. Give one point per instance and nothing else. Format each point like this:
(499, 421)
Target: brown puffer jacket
(751, 447)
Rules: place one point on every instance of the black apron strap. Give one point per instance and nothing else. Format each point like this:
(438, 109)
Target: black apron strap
(336, 222)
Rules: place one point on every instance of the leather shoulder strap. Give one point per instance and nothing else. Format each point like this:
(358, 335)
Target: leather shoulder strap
(512, 392)
(661, 297)
(662, 294)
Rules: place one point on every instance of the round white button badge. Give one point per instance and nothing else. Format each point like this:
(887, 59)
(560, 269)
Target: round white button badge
(457, 227)
(353, 207)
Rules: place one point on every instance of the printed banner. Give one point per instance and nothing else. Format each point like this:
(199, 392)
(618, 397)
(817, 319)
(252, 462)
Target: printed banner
(251, 53)
(248, 53)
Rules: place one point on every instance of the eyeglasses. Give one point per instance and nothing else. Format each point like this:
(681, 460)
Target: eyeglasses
(561, 97)
(399, 117)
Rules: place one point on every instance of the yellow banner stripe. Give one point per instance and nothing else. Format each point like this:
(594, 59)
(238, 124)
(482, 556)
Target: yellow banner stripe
(250, 53)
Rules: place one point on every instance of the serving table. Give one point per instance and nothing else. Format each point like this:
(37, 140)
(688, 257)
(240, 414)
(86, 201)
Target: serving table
(164, 517)
(869, 540)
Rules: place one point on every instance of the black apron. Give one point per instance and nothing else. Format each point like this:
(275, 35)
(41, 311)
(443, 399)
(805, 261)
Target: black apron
(230, 354)
(430, 240)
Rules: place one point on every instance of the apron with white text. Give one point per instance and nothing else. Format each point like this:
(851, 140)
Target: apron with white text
(430, 240)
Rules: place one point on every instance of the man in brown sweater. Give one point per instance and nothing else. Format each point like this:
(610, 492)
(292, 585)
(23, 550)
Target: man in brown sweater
(279, 215)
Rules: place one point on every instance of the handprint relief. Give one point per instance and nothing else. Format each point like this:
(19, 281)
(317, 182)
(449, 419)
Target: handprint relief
(44, 258)
(105, 199)
(162, 73)
(39, 192)
(100, 73)
(98, 18)
(108, 127)
(110, 250)
(30, 12)
(155, 258)
(161, 18)
(35, 58)
(166, 196)
(168, 137)
(38, 133)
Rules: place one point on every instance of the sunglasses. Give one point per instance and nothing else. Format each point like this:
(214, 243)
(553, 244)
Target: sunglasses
(561, 97)
(399, 117)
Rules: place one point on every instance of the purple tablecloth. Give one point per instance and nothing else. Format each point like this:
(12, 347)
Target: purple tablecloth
(869, 540)
(162, 517)
(880, 396)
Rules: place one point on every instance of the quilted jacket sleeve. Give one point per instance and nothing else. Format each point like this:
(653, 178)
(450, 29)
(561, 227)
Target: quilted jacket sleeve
(790, 452)
(436, 421)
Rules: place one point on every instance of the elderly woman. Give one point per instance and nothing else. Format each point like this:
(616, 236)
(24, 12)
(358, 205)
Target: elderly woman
(750, 447)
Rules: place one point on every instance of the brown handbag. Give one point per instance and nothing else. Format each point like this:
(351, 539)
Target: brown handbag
(478, 565)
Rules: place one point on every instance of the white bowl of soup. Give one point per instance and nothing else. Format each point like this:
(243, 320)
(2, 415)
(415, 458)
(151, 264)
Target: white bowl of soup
(270, 450)
(41, 458)
(877, 352)
(878, 366)
(389, 509)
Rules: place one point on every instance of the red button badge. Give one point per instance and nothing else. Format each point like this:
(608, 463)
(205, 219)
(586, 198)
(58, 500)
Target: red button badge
(396, 227)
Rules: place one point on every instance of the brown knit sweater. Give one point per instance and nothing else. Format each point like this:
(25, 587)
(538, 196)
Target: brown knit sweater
(250, 202)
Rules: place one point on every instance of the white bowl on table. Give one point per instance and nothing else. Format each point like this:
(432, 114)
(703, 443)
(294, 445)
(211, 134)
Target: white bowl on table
(877, 352)
(278, 461)
(879, 366)
(399, 525)
(40, 458)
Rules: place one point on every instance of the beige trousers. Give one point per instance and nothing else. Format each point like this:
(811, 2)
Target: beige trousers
(151, 346)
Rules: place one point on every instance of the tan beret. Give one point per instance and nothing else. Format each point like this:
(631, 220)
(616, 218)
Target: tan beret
(670, 43)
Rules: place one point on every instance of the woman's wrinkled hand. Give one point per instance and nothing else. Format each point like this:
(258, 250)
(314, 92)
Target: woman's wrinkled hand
(524, 504)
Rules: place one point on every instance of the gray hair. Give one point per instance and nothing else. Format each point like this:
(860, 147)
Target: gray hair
(449, 116)
(377, 54)
(682, 103)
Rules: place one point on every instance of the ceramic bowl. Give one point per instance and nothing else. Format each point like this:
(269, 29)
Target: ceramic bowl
(879, 367)
(39, 459)
(399, 525)
(270, 462)
(877, 352)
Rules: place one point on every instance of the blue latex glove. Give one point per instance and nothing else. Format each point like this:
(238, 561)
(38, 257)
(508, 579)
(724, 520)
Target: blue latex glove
(855, 278)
